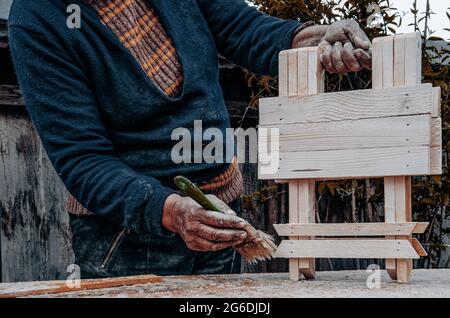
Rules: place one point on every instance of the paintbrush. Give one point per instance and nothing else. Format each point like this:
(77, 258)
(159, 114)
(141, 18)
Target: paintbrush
(258, 245)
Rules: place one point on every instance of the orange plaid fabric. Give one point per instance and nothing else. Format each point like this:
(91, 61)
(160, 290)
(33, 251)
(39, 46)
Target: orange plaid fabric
(138, 28)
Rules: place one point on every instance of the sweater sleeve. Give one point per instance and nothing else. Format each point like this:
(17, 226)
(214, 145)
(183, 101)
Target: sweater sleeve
(63, 109)
(247, 37)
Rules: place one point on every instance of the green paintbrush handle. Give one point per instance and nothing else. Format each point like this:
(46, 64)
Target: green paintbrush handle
(192, 191)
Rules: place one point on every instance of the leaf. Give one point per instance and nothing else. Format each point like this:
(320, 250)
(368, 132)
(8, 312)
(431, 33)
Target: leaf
(321, 187)
(331, 186)
(435, 38)
(392, 30)
(436, 179)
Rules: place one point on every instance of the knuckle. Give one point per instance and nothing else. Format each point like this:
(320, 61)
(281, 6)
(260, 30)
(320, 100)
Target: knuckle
(189, 227)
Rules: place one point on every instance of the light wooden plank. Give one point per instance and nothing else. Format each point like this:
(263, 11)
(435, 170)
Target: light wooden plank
(307, 214)
(436, 134)
(388, 61)
(351, 229)
(399, 131)
(413, 59)
(389, 66)
(377, 63)
(313, 71)
(283, 70)
(399, 61)
(419, 248)
(303, 72)
(294, 271)
(293, 73)
(436, 106)
(398, 249)
(358, 104)
(374, 162)
(436, 160)
(403, 212)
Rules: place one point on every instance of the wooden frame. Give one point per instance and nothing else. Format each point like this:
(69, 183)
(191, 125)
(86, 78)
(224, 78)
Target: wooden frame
(392, 131)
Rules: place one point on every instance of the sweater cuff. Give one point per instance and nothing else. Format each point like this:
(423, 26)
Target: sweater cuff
(154, 213)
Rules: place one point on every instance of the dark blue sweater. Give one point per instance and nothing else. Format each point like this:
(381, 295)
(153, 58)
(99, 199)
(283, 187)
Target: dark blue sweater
(105, 126)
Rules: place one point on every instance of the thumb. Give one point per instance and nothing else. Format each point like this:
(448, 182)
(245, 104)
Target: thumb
(357, 37)
(224, 208)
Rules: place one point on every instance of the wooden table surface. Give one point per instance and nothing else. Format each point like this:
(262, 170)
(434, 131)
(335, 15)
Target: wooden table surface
(424, 283)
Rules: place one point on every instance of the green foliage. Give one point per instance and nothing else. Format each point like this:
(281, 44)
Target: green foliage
(362, 200)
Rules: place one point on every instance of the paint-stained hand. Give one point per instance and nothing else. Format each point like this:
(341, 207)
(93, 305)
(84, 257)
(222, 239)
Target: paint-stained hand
(343, 45)
(200, 229)
(345, 48)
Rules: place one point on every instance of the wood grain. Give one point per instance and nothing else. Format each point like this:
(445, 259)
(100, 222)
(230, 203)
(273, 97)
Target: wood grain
(373, 162)
(351, 229)
(399, 131)
(398, 249)
(350, 105)
(35, 236)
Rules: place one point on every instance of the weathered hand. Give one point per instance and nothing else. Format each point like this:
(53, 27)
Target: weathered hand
(347, 31)
(344, 46)
(344, 58)
(200, 229)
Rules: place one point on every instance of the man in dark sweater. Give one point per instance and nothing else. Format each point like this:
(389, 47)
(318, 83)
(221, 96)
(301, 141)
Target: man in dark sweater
(106, 97)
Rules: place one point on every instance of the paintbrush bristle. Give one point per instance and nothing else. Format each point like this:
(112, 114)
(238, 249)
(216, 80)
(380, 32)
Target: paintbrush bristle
(259, 246)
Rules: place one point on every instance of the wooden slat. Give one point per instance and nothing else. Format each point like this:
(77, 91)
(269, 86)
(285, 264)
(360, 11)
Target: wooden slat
(302, 72)
(419, 248)
(307, 214)
(294, 272)
(398, 249)
(305, 77)
(388, 61)
(375, 162)
(351, 229)
(399, 131)
(314, 71)
(413, 59)
(377, 63)
(436, 106)
(436, 134)
(85, 285)
(283, 70)
(293, 74)
(358, 104)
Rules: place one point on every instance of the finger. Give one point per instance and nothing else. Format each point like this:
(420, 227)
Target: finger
(336, 58)
(201, 245)
(364, 58)
(357, 36)
(220, 235)
(349, 58)
(221, 205)
(220, 220)
(326, 59)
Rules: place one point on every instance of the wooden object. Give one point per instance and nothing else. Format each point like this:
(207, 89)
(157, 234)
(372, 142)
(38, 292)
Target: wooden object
(392, 131)
(35, 237)
(424, 284)
(301, 75)
(85, 285)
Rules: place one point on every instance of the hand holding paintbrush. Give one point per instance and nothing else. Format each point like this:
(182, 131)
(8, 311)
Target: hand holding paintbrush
(255, 246)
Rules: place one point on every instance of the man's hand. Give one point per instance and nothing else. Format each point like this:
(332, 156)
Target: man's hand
(200, 229)
(344, 46)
